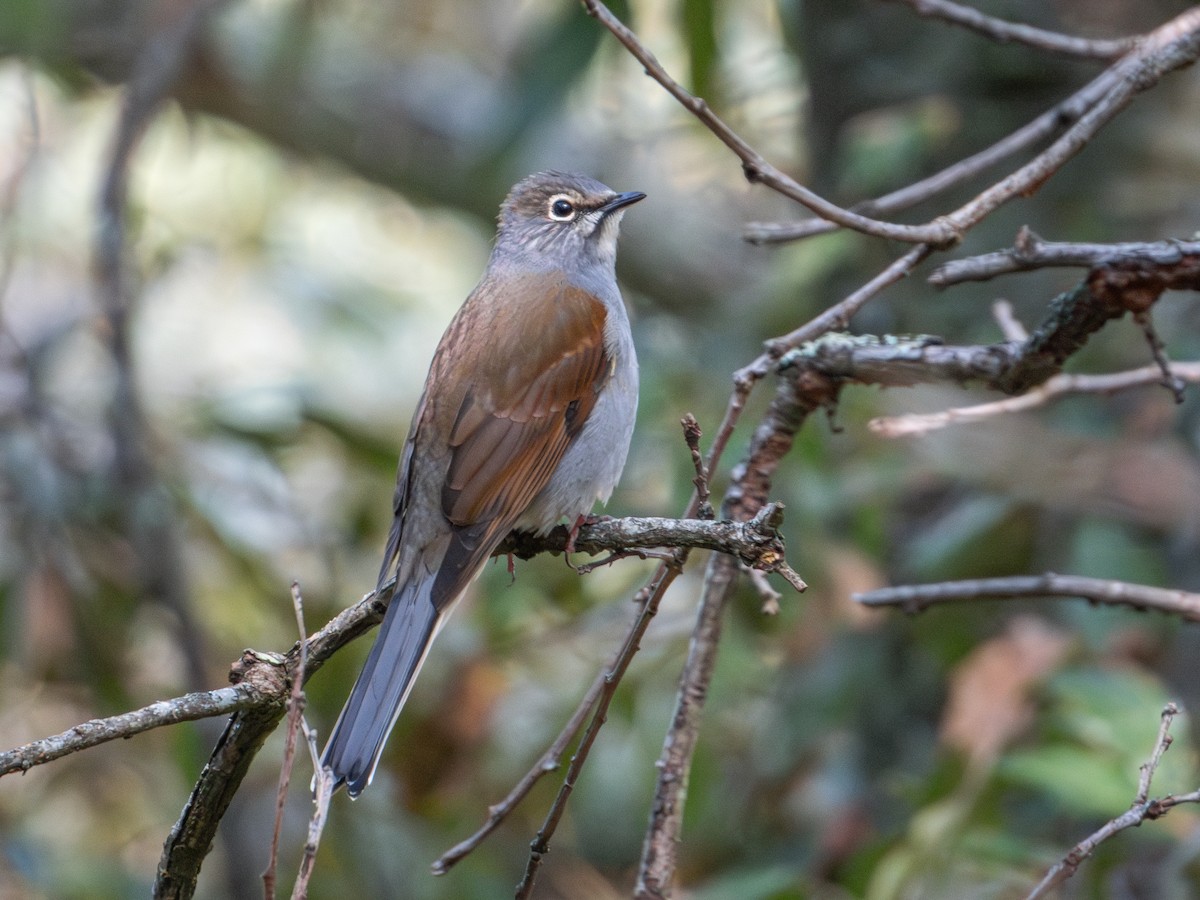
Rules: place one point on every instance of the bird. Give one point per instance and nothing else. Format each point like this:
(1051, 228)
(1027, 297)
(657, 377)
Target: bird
(525, 421)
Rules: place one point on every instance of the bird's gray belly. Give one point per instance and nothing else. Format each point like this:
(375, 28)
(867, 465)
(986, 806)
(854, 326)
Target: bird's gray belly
(593, 462)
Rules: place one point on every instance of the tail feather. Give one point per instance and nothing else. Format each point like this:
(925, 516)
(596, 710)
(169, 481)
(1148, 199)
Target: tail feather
(409, 626)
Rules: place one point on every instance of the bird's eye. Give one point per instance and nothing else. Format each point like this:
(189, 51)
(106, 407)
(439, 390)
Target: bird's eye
(562, 209)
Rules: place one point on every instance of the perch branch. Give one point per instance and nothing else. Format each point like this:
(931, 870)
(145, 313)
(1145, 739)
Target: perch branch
(754, 543)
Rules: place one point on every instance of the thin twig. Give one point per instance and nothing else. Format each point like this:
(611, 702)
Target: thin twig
(1053, 121)
(1004, 32)
(1141, 811)
(1059, 386)
(1011, 327)
(295, 716)
(691, 435)
(1147, 769)
(1169, 47)
(549, 762)
(649, 599)
(1174, 383)
(800, 392)
(323, 782)
(755, 166)
(589, 567)
(915, 598)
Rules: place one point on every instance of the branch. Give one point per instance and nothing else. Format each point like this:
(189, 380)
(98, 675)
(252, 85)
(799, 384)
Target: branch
(1171, 46)
(1004, 32)
(1052, 122)
(755, 166)
(188, 708)
(266, 681)
(799, 394)
(1143, 809)
(295, 718)
(756, 543)
(649, 598)
(549, 762)
(1057, 387)
(1029, 252)
(917, 598)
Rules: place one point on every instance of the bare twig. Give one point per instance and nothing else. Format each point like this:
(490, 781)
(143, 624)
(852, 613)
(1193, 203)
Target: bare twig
(188, 708)
(1032, 252)
(915, 598)
(649, 598)
(1057, 387)
(691, 435)
(1169, 47)
(757, 168)
(549, 762)
(1142, 810)
(1174, 383)
(1004, 32)
(588, 568)
(800, 392)
(1011, 327)
(1164, 740)
(1053, 121)
(295, 717)
(323, 782)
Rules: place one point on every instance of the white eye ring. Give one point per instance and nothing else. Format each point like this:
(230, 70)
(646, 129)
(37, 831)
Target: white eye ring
(562, 208)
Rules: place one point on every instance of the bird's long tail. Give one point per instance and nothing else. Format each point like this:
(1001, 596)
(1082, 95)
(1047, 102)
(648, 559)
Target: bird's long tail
(357, 740)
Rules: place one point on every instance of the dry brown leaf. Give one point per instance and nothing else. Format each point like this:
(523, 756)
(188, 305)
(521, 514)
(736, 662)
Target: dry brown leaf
(989, 701)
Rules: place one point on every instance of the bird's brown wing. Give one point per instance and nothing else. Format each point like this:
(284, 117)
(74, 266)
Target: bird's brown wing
(508, 421)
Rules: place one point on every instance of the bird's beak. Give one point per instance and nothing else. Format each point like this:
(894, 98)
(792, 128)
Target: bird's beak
(621, 201)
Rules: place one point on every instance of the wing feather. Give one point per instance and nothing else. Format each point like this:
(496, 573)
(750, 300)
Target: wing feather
(510, 414)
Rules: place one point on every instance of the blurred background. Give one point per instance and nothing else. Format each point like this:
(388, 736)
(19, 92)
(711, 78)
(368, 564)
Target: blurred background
(304, 218)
